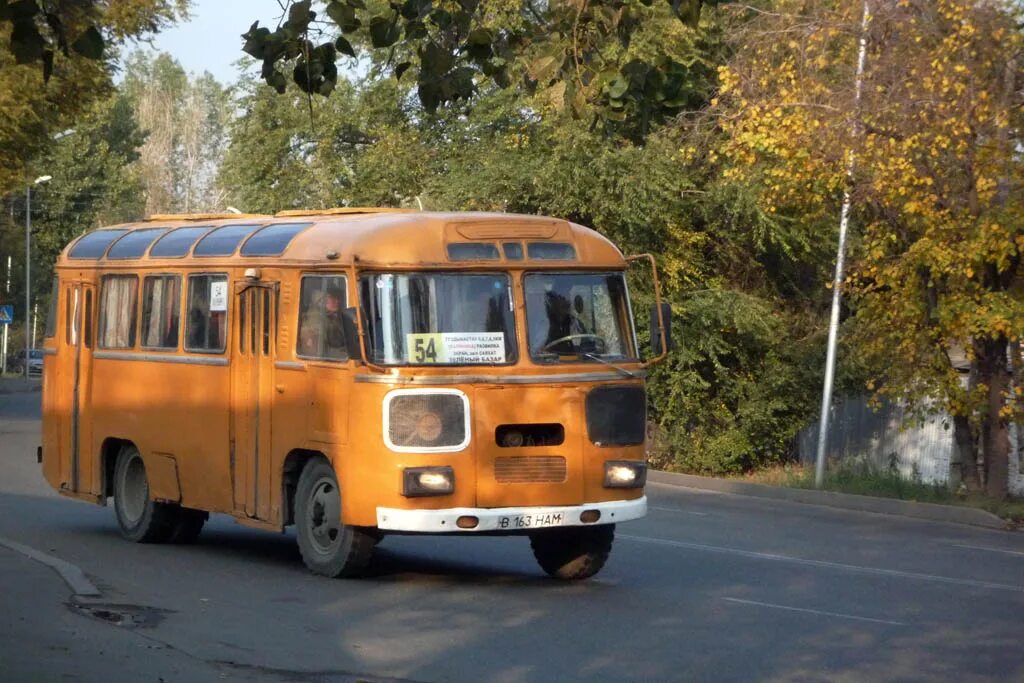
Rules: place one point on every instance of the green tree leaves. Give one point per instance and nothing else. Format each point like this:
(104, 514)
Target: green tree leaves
(578, 48)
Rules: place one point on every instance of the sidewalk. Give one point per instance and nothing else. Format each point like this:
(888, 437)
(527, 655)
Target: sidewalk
(846, 501)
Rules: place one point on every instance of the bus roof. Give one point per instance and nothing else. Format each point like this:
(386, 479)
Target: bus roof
(370, 237)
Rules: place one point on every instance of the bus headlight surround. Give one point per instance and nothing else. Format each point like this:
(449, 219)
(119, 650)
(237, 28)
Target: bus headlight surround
(418, 482)
(434, 420)
(625, 474)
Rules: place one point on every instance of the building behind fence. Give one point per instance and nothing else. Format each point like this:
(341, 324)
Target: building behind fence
(890, 438)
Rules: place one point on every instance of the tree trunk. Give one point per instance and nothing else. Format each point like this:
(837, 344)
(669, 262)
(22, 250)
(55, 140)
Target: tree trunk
(990, 357)
(966, 456)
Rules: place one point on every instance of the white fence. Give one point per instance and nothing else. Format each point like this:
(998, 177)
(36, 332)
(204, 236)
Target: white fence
(888, 437)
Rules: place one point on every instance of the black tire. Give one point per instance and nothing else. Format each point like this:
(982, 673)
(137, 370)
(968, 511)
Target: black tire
(188, 524)
(573, 553)
(329, 547)
(141, 519)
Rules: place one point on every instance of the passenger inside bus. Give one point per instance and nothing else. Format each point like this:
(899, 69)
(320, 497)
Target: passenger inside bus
(320, 319)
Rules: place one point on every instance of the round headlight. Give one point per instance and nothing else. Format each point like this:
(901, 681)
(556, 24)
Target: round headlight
(513, 439)
(429, 427)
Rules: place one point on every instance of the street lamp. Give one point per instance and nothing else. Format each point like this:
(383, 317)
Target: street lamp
(28, 267)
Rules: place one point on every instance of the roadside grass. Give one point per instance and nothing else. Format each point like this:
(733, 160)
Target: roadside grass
(866, 479)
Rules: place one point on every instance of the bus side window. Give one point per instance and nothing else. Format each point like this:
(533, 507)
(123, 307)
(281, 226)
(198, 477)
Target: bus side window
(206, 322)
(161, 310)
(321, 301)
(118, 311)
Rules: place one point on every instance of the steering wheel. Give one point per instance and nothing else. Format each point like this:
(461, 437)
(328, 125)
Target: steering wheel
(570, 337)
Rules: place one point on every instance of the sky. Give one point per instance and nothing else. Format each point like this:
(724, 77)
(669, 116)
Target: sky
(211, 39)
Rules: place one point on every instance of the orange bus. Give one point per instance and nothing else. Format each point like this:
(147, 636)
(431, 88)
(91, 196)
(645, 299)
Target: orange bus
(354, 373)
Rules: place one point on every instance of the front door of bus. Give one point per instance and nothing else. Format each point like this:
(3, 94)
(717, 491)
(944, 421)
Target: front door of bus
(74, 361)
(252, 398)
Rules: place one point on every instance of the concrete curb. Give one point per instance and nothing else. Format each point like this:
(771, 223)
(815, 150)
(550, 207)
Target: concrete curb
(73, 576)
(845, 501)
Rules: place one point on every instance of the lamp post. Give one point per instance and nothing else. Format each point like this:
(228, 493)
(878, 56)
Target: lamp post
(28, 267)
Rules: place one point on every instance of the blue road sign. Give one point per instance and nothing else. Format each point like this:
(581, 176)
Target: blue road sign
(6, 314)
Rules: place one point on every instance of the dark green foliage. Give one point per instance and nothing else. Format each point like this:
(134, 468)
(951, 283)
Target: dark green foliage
(456, 47)
(40, 31)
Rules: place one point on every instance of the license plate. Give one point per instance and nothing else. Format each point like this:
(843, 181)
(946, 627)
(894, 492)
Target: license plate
(537, 520)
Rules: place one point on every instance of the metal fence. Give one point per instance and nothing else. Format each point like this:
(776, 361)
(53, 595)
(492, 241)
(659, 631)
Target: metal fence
(889, 437)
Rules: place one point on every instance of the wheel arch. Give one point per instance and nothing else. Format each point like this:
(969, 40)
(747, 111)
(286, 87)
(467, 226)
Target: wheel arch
(290, 472)
(109, 451)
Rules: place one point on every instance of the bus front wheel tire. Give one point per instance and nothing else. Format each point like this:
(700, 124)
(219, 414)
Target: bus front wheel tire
(329, 547)
(573, 553)
(141, 519)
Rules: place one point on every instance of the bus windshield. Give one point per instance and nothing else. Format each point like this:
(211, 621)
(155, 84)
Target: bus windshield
(574, 317)
(439, 318)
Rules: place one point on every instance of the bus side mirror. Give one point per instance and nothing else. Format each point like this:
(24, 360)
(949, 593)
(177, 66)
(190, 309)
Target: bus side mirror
(350, 327)
(666, 315)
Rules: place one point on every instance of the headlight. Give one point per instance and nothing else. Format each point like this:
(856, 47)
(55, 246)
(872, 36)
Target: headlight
(624, 474)
(426, 420)
(427, 481)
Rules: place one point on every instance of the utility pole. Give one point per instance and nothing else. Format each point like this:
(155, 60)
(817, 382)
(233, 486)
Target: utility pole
(837, 283)
(3, 352)
(29, 342)
(28, 276)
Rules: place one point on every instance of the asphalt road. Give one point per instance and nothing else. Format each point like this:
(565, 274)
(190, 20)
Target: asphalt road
(709, 587)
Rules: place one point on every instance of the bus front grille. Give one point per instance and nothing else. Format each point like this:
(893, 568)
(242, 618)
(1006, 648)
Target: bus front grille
(527, 469)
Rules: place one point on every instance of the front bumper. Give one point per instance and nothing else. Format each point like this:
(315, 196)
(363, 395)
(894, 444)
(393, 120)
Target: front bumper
(508, 519)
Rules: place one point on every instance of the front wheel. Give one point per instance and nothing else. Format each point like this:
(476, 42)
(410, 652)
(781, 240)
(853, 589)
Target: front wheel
(573, 553)
(329, 547)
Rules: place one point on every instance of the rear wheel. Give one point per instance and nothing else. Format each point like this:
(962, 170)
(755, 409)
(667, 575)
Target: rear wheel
(329, 547)
(187, 525)
(141, 519)
(573, 553)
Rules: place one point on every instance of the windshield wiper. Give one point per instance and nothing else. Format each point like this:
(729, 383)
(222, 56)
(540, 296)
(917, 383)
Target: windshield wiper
(594, 356)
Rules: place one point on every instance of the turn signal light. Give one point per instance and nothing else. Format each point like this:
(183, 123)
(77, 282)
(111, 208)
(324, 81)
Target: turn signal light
(467, 522)
(590, 516)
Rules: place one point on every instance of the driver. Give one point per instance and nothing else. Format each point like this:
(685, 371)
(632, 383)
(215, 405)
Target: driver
(565, 320)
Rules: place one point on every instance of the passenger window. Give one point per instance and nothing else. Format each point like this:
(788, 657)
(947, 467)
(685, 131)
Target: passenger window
(161, 311)
(206, 326)
(118, 306)
(321, 301)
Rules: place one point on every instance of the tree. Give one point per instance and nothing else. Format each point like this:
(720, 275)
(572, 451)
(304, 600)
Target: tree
(937, 141)
(581, 51)
(186, 123)
(54, 63)
(95, 182)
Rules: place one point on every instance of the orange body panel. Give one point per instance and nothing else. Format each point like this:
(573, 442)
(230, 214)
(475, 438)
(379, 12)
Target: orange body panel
(216, 429)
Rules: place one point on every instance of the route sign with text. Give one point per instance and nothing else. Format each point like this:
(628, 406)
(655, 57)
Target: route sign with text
(6, 314)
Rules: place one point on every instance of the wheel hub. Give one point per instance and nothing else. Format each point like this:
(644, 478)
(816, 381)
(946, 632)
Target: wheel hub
(323, 517)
